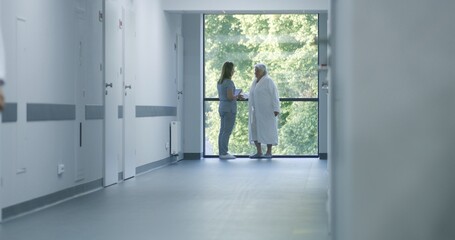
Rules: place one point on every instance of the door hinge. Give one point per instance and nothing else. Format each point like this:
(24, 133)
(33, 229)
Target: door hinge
(100, 16)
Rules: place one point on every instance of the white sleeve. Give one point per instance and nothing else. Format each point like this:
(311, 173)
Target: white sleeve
(274, 95)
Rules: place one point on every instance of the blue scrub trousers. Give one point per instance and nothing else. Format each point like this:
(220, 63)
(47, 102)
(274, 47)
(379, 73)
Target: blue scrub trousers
(227, 125)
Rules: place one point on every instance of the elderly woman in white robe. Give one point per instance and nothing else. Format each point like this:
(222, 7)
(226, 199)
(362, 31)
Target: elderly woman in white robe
(264, 107)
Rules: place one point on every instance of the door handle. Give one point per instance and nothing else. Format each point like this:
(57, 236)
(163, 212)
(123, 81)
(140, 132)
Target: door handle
(325, 86)
(127, 86)
(109, 85)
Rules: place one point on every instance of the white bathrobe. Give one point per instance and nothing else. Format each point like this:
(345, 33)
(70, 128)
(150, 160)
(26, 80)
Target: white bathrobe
(263, 101)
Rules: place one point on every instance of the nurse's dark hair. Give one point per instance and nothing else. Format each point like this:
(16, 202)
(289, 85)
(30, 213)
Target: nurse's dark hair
(226, 71)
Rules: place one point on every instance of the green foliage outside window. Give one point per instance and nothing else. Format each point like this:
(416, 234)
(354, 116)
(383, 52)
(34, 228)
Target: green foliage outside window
(284, 43)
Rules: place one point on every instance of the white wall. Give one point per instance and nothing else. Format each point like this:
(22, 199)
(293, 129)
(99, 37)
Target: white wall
(192, 83)
(244, 6)
(2, 50)
(392, 120)
(44, 72)
(2, 76)
(156, 85)
(89, 89)
(49, 74)
(322, 48)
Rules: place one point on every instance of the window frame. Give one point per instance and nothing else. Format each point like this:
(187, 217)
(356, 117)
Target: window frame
(211, 99)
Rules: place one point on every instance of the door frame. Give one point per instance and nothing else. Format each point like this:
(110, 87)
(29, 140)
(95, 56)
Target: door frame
(129, 76)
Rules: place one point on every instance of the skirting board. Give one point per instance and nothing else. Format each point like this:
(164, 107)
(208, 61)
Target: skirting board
(154, 165)
(48, 200)
(192, 156)
(53, 198)
(323, 156)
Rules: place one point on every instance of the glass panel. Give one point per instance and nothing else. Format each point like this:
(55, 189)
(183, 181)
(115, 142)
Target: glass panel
(297, 129)
(284, 42)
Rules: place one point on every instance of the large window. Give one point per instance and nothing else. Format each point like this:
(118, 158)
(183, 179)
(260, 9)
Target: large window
(285, 43)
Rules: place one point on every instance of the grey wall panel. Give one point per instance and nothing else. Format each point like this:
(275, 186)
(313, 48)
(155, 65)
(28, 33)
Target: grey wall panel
(155, 111)
(94, 112)
(50, 112)
(120, 111)
(10, 113)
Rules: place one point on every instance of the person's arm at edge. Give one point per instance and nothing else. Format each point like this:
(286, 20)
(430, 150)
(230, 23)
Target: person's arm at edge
(275, 97)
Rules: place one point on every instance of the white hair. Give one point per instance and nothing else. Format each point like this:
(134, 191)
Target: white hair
(261, 67)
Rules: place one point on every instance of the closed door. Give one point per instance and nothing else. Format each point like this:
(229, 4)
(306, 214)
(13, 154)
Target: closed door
(113, 91)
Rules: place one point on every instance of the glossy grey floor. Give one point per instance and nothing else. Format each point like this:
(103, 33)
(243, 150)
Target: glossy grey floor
(279, 199)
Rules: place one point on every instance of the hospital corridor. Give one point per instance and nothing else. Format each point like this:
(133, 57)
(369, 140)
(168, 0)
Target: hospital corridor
(227, 120)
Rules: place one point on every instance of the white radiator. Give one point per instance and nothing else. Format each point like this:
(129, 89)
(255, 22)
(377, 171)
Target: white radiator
(176, 143)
